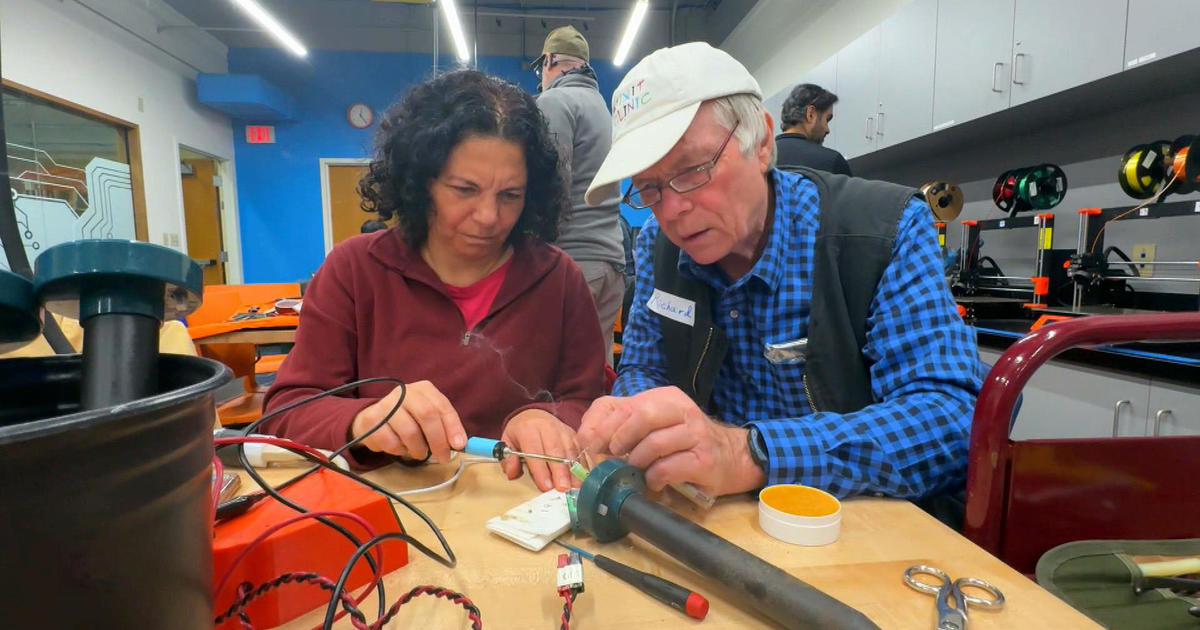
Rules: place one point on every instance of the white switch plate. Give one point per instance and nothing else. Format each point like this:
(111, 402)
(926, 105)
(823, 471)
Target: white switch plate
(1144, 252)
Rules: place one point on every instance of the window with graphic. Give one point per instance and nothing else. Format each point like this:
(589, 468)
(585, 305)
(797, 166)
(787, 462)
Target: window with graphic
(69, 174)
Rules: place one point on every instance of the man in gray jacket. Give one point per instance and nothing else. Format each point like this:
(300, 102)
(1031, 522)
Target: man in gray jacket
(582, 127)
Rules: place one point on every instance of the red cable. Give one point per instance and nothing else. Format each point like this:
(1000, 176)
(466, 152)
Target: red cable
(275, 441)
(295, 519)
(217, 484)
(567, 609)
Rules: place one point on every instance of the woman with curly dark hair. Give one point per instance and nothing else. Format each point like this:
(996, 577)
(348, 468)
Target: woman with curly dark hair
(492, 329)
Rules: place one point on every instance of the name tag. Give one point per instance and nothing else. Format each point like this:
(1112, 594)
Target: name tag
(674, 307)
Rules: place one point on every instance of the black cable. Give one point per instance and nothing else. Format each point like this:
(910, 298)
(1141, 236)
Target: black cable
(1120, 254)
(14, 249)
(449, 561)
(274, 492)
(331, 608)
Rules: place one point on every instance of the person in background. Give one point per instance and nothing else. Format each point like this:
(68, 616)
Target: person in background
(579, 122)
(492, 329)
(372, 225)
(787, 327)
(806, 115)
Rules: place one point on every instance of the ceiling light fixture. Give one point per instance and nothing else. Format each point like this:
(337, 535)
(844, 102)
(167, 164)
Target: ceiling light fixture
(272, 26)
(450, 12)
(631, 31)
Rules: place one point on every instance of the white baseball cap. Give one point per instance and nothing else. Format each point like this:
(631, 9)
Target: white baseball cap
(656, 103)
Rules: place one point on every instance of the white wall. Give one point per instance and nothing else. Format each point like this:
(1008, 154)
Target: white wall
(109, 55)
(779, 40)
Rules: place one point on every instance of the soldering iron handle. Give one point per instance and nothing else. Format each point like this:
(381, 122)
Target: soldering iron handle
(667, 592)
(777, 594)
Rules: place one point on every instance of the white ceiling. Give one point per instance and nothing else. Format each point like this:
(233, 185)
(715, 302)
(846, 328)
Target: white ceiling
(398, 26)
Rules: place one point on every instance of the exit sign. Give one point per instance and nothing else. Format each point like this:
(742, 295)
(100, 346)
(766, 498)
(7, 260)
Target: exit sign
(260, 134)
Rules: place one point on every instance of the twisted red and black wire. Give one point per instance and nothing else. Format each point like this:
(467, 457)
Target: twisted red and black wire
(568, 596)
(248, 593)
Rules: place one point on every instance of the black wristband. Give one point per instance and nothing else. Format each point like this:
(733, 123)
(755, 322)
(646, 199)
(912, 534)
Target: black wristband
(758, 447)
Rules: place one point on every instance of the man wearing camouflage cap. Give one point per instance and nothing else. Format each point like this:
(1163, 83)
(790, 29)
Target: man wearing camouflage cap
(579, 121)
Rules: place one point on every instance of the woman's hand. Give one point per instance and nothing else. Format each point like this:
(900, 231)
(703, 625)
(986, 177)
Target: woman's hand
(425, 423)
(537, 431)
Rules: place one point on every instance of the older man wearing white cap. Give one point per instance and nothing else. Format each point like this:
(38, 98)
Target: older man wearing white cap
(787, 327)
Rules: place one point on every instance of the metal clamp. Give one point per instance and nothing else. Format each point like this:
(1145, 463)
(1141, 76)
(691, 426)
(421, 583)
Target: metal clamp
(996, 76)
(1158, 419)
(1117, 414)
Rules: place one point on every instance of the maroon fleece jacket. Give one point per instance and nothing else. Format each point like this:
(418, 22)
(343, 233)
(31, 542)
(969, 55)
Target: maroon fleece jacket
(375, 308)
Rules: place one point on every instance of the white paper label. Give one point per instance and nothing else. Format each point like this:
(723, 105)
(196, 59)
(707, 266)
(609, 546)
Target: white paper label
(1196, 208)
(1032, 189)
(1147, 57)
(570, 575)
(1003, 222)
(943, 125)
(673, 307)
(1144, 212)
(1150, 155)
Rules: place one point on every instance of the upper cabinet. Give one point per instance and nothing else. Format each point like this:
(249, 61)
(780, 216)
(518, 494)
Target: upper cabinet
(1050, 57)
(858, 95)
(906, 74)
(1160, 28)
(938, 63)
(973, 66)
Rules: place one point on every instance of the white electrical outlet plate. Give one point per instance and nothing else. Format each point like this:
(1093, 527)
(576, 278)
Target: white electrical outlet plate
(1144, 252)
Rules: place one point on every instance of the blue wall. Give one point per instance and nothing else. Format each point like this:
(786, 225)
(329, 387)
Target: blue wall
(279, 185)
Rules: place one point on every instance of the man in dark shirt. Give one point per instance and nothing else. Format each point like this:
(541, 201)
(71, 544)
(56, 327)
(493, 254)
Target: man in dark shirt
(805, 123)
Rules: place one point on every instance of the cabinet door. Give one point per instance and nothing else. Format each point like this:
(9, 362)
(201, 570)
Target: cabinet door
(973, 67)
(906, 74)
(858, 95)
(1176, 409)
(1160, 28)
(1066, 401)
(825, 75)
(1061, 44)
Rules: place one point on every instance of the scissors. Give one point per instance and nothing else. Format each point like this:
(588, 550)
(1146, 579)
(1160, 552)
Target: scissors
(952, 618)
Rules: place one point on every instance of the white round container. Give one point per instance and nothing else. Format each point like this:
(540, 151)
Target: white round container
(800, 515)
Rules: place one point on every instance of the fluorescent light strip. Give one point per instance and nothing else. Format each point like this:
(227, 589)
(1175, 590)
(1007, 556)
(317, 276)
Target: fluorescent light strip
(272, 26)
(631, 30)
(456, 31)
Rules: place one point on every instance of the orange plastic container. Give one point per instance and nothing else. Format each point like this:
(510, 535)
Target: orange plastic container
(304, 546)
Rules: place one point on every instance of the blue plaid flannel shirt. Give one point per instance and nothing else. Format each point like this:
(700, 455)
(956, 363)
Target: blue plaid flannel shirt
(925, 370)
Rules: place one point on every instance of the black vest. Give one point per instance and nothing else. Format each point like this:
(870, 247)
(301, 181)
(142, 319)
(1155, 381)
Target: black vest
(858, 220)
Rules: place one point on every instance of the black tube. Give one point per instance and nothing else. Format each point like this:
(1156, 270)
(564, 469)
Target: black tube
(120, 359)
(776, 594)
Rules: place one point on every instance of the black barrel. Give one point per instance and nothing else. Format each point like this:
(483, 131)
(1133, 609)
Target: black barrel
(775, 593)
(105, 514)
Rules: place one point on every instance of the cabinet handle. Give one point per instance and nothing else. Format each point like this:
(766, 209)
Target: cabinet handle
(999, 65)
(867, 128)
(1158, 419)
(1017, 68)
(879, 130)
(1117, 414)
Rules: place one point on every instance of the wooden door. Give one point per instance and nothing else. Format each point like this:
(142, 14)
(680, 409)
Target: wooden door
(345, 205)
(202, 217)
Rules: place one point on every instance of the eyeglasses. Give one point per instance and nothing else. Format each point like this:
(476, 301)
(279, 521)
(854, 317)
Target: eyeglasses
(690, 179)
(538, 64)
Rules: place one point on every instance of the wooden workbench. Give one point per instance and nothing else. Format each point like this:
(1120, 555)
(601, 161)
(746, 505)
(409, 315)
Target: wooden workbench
(515, 588)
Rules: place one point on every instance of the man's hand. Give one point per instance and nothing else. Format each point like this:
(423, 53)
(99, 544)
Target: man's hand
(664, 432)
(426, 422)
(537, 431)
